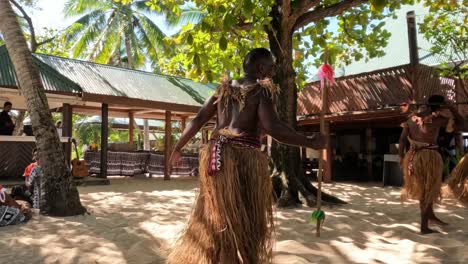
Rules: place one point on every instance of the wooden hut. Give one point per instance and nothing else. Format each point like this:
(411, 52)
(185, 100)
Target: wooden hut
(75, 86)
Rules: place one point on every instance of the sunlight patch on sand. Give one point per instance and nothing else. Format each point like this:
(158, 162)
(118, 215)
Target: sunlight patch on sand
(138, 220)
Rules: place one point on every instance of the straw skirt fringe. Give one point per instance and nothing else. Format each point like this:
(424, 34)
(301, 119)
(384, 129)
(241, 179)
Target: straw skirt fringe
(232, 221)
(458, 181)
(425, 182)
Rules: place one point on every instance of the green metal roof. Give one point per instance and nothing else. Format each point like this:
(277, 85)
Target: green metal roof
(52, 80)
(114, 81)
(76, 76)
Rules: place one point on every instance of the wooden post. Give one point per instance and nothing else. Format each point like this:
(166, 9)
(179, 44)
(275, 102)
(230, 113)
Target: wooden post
(412, 38)
(131, 124)
(167, 146)
(413, 52)
(322, 154)
(146, 140)
(370, 173)
(327, 155)
(104, 139)
(303, 154)
(67, 129)
(183, 124)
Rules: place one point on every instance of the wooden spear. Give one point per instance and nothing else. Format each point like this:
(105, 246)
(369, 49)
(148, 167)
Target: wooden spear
(326, 75)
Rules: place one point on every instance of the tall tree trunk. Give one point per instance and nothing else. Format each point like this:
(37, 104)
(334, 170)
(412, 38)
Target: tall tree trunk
(19, 123)
(128, 49)
(59, 194)
(286, 159)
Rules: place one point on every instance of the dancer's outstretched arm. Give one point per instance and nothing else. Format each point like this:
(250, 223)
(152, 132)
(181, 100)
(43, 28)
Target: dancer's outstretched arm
(282, 132)
(207, 111)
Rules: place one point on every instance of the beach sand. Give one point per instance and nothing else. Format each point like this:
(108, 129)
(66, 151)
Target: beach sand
(137, 220)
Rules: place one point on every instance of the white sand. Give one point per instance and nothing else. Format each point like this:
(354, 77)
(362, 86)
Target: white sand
(136, 220)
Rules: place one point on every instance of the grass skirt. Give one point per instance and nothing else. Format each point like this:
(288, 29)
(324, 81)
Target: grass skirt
(232, 221)
(424, 184)
(458, 181)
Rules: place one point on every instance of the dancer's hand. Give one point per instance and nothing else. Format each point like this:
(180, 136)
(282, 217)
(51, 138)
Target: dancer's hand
(176, 157)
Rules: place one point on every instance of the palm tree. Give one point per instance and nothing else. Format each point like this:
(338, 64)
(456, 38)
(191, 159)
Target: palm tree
(188, 14)
(111, 32)
(59, 194)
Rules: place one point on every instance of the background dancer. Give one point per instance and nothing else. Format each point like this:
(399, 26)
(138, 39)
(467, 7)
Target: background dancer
(422, 164)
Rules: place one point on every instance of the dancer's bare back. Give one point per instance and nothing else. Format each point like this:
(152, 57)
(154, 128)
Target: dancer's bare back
(246, 121)
(257, 118)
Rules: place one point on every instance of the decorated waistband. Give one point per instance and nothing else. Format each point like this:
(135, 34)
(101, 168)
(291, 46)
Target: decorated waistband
(413, 150)
(216, 162)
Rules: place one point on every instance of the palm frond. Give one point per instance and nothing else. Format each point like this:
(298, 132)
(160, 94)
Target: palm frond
(80, 7)
(116, 53)
(88, 36)
(137, 51)
(105, 43)
(154, 33)
(188, 15)
(149, 46)
(75, 29)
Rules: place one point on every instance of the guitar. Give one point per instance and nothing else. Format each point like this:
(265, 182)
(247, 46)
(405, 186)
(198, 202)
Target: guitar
(79, 168)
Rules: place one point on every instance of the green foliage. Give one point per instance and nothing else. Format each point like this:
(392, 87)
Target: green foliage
(214, 46)
(55, 43)
(104, 26)
(160, 141)
(227, 30)
(89, 133)
(446, 27)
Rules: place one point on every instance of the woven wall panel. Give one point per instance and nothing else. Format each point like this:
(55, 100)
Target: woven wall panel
(14, 157)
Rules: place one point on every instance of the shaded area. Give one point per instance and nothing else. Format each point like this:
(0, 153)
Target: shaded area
(137, 220)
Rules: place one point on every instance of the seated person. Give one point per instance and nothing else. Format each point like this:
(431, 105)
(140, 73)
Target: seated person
(31, 166)
(34, 183)
(23, 192)
(12, 213)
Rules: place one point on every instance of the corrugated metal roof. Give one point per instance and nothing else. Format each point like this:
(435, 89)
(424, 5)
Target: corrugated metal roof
(108, 80)
(76, 76)
(377, 90)
(358, 93)
(52, 80)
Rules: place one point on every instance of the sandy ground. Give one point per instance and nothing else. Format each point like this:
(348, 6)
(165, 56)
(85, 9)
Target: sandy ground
(136, 220)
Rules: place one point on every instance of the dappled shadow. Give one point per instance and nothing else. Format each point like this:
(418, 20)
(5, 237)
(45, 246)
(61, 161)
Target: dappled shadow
(131, 221)
(137, 220)
(375, 227)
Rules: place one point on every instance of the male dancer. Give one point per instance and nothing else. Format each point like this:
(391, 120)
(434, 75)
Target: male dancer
(422, 164)
(232, 221)
(458, 180)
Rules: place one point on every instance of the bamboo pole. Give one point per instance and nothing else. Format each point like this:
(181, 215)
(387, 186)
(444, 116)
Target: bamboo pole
(321, 153)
